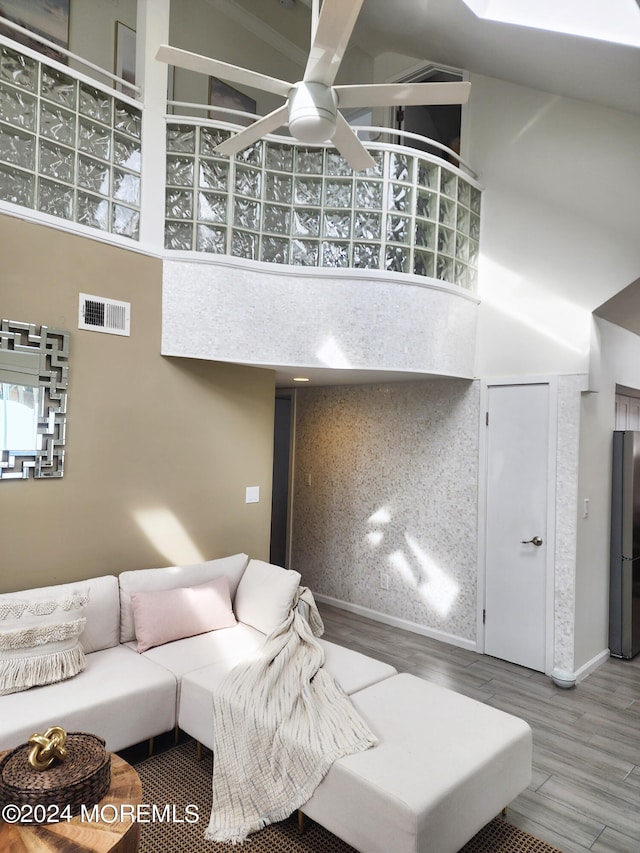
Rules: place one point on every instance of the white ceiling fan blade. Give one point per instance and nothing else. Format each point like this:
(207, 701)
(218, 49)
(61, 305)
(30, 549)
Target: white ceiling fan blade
(223, 70)
(333, 31)
(348, 144)
(402, 94)
(266, 124)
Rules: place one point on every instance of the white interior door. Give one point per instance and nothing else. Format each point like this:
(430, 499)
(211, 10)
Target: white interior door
(516, 546)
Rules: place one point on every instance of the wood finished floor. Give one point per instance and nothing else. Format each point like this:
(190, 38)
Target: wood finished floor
(585, 790)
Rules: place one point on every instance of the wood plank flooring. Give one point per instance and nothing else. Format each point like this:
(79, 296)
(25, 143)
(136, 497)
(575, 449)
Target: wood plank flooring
(585, 790)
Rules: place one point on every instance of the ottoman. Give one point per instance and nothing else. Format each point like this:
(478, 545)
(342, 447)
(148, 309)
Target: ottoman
(445, 765)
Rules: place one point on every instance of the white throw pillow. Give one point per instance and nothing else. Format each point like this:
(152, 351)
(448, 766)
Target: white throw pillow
(265, 595)
(40, 639)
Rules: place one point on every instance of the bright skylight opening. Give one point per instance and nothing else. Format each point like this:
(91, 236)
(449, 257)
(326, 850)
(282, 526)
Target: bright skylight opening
(615, 21)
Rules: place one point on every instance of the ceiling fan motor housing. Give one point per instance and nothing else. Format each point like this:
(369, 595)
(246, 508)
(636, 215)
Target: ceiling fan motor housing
(312, 112)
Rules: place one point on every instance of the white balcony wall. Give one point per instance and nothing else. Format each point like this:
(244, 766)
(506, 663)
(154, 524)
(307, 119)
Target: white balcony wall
(226, 309)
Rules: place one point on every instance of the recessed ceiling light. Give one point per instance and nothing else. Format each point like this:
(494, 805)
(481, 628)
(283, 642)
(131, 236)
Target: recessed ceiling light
(300, 379)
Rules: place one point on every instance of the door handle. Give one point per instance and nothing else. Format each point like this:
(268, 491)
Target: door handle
(535, 541)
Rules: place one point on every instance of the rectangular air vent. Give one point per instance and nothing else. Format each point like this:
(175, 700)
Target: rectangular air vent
(104, 315)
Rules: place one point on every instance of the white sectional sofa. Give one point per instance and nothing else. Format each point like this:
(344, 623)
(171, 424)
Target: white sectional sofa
(444, 765)
(126, 696)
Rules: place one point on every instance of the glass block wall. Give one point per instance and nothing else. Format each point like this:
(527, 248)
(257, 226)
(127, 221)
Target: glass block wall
(286, 203)
(67, 148)
(73, 150)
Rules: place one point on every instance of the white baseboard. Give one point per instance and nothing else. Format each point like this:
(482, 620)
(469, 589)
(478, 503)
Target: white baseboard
(396, 622)
(589, 666)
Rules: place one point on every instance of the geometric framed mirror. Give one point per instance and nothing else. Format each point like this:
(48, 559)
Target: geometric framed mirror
(34, 376)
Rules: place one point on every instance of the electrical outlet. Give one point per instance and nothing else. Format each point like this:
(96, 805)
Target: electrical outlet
(384, 581)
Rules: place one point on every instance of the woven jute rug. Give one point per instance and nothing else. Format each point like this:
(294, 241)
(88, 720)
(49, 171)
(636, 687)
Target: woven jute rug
(176, 793)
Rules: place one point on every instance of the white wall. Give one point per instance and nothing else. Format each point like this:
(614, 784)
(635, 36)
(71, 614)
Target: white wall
(92, 29)
(196, 25)
(216, 34)
(619, 363)
(559, 222)
(559, 238)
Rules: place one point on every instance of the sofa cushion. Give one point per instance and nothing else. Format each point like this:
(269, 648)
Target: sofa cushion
(143, 580)
(352, 670)
(265, 595)
(120, 696)
(102, 628)
(161, 616)
(227, 646)
(39, 639)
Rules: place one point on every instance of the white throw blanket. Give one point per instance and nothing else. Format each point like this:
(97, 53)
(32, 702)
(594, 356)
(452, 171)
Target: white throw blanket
(279, 724)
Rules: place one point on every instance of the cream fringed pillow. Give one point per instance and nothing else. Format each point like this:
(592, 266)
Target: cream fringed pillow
(39, 639)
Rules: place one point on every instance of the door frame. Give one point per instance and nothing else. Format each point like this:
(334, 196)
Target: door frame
(419, 72)
(552, 444)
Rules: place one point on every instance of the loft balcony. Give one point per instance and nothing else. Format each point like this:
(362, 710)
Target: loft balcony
(281, 256)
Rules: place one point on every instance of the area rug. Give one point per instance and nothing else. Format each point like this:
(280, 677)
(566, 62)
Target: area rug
(176, 793)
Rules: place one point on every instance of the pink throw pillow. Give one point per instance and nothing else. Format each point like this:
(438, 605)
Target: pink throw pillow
(161, 616)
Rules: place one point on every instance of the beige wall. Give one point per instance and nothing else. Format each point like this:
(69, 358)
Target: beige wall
(159, 450)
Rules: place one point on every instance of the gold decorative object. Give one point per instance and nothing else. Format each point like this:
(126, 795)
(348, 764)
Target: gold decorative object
(47, 747)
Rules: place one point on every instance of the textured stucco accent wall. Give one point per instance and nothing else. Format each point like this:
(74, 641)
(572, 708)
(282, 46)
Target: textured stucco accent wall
(234, 310)
(564, 627)
(386, 483)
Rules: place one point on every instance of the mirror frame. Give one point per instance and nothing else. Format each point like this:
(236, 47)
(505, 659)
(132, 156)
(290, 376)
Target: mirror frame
(52, 347)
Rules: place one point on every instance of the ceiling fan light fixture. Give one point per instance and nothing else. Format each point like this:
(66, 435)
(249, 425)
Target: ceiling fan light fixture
(312, 112)
(312, 104)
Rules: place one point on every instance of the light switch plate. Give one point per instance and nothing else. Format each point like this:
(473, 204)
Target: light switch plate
(252, 495)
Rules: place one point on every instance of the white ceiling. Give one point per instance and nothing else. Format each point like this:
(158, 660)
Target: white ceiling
(448, 32)
(334, 376)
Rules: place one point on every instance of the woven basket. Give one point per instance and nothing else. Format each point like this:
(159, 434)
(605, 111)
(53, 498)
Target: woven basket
(83, 778)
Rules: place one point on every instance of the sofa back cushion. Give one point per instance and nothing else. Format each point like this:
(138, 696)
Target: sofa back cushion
(102, 612)
(163, 615)
(171, 577)
(265, 595)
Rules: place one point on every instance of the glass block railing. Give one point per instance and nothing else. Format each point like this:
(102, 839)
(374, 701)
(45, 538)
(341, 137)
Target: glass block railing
(68, 148)
(286, 203)
(71, 148)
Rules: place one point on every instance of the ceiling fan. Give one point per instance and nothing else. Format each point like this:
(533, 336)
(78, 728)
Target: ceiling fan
(312, 105)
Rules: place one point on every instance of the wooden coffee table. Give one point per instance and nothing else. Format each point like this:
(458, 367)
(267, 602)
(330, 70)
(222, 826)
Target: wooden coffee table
(96, 835)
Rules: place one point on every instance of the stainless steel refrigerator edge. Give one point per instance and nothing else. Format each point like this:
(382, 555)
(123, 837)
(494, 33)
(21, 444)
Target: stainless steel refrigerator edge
(624, 576)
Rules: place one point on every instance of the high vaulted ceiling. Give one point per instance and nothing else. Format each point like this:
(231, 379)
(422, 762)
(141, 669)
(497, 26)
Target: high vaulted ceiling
(571, 64)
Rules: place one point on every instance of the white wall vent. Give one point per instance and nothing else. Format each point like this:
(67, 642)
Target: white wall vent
(104, 315)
